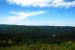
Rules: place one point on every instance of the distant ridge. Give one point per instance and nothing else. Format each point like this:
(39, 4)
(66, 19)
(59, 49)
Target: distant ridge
(38, 32)
(37, 25)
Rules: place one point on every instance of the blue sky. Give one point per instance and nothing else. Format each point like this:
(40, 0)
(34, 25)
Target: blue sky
(37, 12)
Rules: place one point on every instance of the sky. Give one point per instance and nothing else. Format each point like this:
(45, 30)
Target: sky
(38, 12)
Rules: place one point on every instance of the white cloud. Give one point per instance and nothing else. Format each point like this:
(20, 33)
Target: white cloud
(62, 3)
(30, 2)
(19, 17)
(42, 3)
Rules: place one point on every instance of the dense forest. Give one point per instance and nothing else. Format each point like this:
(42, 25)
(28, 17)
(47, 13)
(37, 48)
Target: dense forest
(18, 35)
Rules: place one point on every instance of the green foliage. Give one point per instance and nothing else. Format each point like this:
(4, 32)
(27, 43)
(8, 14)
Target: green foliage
(69, 45)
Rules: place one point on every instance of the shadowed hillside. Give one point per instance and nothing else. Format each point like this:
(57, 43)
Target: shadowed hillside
(16, 34)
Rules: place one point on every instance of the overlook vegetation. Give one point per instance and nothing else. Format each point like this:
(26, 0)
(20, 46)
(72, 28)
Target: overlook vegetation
(15, 37)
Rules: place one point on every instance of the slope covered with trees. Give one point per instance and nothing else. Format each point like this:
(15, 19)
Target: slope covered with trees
(19, 35)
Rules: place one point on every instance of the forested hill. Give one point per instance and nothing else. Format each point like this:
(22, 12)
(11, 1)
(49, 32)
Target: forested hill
(36, 32)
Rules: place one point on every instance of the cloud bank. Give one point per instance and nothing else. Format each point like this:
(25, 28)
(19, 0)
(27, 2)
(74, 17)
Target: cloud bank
(19, 17)
(43, 3)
